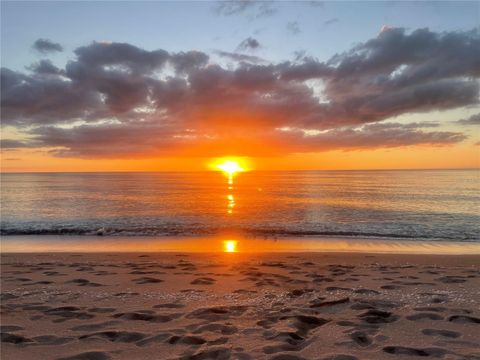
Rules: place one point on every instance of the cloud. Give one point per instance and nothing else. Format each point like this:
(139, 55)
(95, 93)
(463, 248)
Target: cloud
(7, 144)
(128, 56)
(252, 8)
(368, 137)
(120, 140)
(472, 120)
(46, 46)
(115, 100)
(240, 57)
(331, 21)
(248, 44)
(308, 69)
(45, 67)
(317, 3)
(293, 27)
(386, 28)
(398, 59)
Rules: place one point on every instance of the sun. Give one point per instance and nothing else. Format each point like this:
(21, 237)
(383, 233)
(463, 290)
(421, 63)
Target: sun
(230, 167)
(230, 246)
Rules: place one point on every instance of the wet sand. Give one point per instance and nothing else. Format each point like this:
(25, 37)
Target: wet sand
(282, 306)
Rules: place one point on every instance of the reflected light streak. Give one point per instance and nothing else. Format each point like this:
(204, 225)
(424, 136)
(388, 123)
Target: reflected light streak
(231, 203)
(230, 167)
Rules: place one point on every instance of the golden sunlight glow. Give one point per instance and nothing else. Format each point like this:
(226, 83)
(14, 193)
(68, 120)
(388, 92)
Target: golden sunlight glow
(230, 246)
(230, 166)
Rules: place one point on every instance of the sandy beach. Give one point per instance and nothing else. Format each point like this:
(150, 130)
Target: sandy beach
(282, 306)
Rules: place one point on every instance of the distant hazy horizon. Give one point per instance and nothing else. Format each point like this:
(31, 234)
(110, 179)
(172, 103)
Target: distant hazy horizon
(254, 170)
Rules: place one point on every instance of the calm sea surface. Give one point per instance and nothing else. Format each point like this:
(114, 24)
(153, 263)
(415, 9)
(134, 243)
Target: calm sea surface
(426, 205)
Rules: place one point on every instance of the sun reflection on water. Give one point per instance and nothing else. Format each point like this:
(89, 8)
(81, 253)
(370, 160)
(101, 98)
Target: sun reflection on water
(230, 167)
(231, 203)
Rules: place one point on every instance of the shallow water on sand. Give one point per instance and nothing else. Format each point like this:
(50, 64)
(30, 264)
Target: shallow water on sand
(426, 205)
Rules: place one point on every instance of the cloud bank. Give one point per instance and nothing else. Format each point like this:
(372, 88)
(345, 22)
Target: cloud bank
(118, 100)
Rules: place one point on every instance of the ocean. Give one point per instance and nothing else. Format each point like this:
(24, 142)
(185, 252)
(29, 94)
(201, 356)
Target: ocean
(428, 205)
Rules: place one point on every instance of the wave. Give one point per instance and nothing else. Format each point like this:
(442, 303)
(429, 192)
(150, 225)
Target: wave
(202, 230)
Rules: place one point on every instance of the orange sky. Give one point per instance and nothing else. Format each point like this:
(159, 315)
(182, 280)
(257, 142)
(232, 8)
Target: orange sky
(425, 157)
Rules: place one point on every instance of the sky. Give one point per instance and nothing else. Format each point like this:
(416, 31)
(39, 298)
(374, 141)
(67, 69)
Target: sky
(152, 86)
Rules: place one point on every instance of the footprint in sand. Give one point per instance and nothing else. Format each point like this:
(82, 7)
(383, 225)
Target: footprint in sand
(217, 313)
(424, 316)
(403, 350)
(83, 282)
(169, 306)
(442, 333)
(147, 280)
(90, 355)
(68, 312)
(116, 336)
(14, 339)
(340, 357)
(146, 316)
(203, 281)
(219, 353)
(96, 326)
(464, 319)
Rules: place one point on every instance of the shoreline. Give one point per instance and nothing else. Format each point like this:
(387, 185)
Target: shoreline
(199, 244)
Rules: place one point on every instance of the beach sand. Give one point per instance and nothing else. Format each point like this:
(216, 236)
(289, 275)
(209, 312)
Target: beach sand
(283, 306)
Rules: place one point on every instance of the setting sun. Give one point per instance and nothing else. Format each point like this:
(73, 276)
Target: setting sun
(230, 166)
(230, 246)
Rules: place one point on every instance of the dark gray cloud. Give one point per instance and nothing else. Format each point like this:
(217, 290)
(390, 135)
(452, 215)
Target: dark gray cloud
(42, 98)
(131, 58)
(472, 120)
(45, 67)
(248, 44)
(46, 46)
(117, 100)
(398, 59)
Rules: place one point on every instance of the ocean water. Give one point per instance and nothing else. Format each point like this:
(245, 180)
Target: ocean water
(427, 205)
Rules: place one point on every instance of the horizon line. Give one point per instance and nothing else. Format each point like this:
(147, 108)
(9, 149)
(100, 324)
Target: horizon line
(253, 170)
